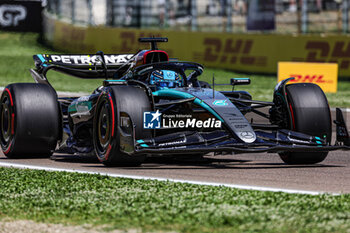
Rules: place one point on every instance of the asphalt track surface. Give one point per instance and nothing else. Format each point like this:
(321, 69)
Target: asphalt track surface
(261, 171)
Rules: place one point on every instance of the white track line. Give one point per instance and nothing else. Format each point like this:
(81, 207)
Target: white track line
(245, 187)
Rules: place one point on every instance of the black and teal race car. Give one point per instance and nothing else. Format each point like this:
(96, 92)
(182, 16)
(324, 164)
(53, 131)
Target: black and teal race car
(150, 105)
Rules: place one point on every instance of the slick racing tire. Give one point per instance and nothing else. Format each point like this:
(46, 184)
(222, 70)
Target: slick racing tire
(310, 115)
(115, 105)
(30, 120)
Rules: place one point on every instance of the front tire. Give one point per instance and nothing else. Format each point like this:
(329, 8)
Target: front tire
(30, 120)
(126, 101)
(310, 114)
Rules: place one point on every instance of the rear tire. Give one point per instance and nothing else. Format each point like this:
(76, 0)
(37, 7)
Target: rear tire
(129, 100)
(310, 115)
(30, 120)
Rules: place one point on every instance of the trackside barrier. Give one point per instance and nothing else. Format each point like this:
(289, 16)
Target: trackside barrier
(240, 52)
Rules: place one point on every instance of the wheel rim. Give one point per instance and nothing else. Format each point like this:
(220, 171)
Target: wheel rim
(104, 126)
(6, 122)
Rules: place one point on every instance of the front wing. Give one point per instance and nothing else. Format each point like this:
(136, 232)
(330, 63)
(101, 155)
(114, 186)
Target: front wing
(220, 141)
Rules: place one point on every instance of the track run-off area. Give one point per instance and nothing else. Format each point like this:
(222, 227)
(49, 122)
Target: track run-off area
(265, 172)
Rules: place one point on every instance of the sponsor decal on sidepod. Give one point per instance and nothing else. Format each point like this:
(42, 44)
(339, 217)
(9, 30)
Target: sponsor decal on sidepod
(154, 120)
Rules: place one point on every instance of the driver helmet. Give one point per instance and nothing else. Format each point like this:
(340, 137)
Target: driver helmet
(165, 79)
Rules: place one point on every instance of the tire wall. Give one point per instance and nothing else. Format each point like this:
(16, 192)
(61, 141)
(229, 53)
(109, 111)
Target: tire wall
(258, 53)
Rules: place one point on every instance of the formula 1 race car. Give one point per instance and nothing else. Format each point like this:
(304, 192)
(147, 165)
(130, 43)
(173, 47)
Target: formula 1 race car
(150, 105)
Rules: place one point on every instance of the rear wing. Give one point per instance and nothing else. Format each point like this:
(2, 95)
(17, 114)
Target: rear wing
(88, 66)
(81, 61)
(97, 65)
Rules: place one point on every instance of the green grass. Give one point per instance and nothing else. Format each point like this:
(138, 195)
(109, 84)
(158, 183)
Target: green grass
(118, 203)
(16, 59)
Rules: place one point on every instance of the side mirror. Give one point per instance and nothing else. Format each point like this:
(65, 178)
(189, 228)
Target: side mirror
(240, 81)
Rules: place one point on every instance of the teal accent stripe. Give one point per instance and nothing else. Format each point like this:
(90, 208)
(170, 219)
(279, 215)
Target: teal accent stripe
(144, 145)
(140, 141)
(241, 78)
(42, 59)
(184, 95)
(75, 106)
(318, 142)
(72, 108)
(208, 108)
(173, 93)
